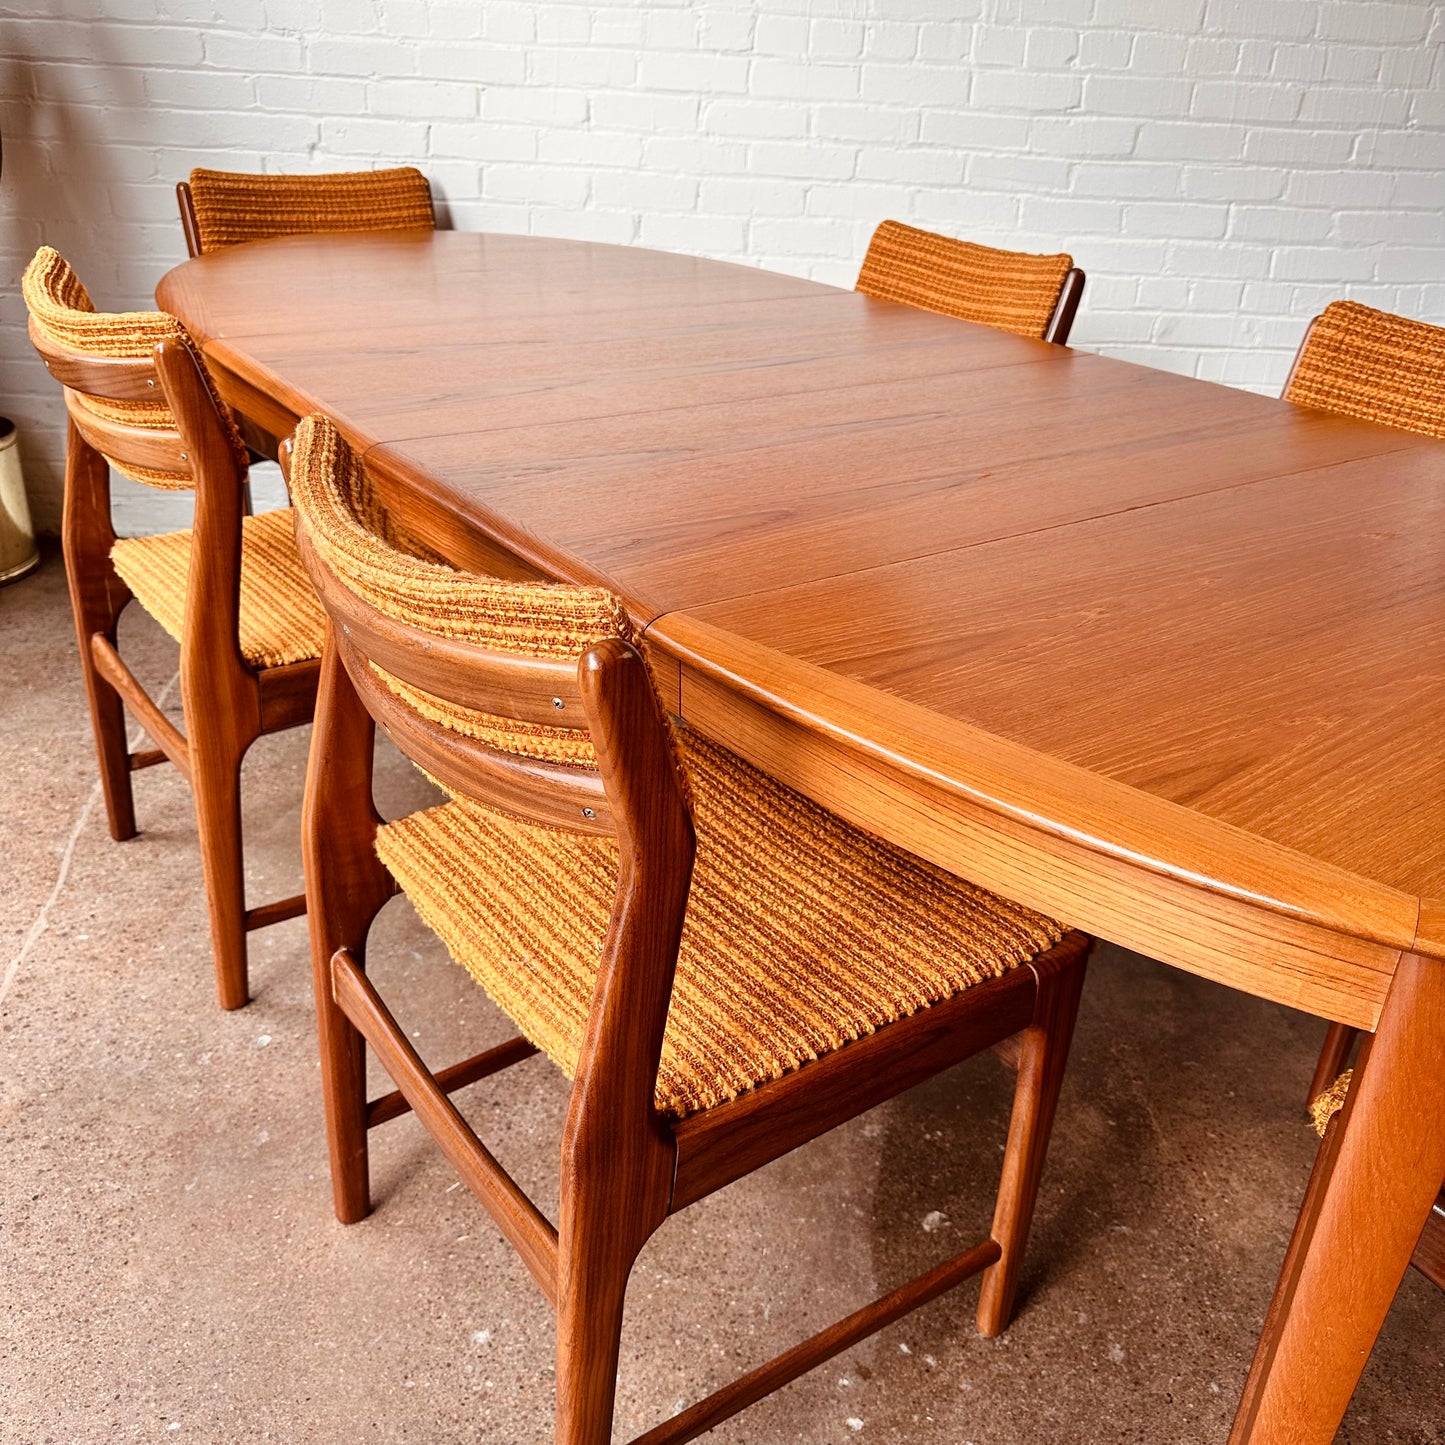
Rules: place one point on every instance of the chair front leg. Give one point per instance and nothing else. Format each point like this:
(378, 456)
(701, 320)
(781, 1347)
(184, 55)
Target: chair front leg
(216, 753)
(1043, 1055)
(602, 1230)
(97, 597)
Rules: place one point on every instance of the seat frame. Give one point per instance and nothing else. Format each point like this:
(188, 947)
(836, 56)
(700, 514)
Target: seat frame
(624, 1166)
(226, 702)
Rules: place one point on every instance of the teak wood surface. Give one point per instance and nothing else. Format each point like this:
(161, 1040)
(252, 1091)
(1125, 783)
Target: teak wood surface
(1160, 657)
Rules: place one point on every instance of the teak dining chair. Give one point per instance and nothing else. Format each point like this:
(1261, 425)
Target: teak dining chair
(1386, 369)
(1391, 370)
(230, 590)
(1029, 295)
(723, 970)
(224, 208)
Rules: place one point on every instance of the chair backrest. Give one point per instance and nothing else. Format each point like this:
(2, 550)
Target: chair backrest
(475, 678)
(224, 208)
(1015, 291)
(1373, 365)
(531, 699)
(114, 392)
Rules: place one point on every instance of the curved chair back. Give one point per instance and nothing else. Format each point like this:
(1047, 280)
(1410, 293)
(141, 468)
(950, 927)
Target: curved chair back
(224, 208)
(115, 393)
(1373, 365)
(487, 685)
(1029, 295)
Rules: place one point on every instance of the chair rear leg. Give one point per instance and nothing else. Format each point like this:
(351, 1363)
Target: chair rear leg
(346, 887)
(216, 782)
(1045, 1052)
(97, 597)
(107, 722)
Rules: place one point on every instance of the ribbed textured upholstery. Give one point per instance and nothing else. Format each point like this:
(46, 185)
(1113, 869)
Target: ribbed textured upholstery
(1008, 290)
(232, 207)
(281, 621)
(1324, 1108)
(1374, 365)
(63, 311)
(359, 543)
(802, 933)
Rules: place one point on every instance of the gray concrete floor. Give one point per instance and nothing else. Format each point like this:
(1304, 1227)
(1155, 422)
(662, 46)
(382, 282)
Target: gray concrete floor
(170, 1268)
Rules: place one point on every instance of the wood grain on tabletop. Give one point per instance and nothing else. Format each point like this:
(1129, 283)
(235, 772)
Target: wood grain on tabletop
(685, 507)
(971, 521)
(1271, 656)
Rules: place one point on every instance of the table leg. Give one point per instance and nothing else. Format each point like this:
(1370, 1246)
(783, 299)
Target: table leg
(1373, 1185)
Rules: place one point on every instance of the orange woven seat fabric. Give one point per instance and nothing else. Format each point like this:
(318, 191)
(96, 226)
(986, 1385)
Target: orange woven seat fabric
(1330, 1102)
(1373, 365)
(62, 309)
(802, 934)
(1008, 290)
(281, 620)
(232, 207)
(358, 542)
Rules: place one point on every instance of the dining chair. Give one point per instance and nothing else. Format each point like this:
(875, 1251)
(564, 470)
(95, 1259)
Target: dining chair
(1382, 368)
(224, 208)
(230, 590)
(1029, 295)
(722, 969)
(1429, 1256)
(1373, 365)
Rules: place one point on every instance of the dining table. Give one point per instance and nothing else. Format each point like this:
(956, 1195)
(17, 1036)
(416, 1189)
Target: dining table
(1162, 658)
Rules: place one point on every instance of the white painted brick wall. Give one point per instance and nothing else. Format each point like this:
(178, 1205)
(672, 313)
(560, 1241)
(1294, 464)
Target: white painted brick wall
(1221, 168)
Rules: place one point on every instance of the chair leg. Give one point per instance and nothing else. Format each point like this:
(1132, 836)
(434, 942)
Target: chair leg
(1044, 1053)
(346, 887)
(107, 722)
(343, 1088)
(593, 1268)
(97, 598)
(1338, 1043)
(216, 782)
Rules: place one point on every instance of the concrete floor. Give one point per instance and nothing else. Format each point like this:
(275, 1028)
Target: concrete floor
(170, 1268)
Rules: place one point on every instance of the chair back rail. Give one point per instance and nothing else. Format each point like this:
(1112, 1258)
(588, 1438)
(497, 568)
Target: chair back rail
(552, 794)
(225, 208)
(509, 686)
(129, 446)
(114, 378)
(541, 690)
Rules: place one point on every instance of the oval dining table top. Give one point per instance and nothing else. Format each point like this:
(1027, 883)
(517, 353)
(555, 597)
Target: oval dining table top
(1163, 658)
(1184, 632)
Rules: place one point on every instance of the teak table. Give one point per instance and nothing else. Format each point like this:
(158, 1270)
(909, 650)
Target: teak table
(1162, 658)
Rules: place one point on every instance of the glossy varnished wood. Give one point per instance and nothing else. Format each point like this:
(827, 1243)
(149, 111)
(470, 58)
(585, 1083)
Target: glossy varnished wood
(779, 460)
(1159, 657)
